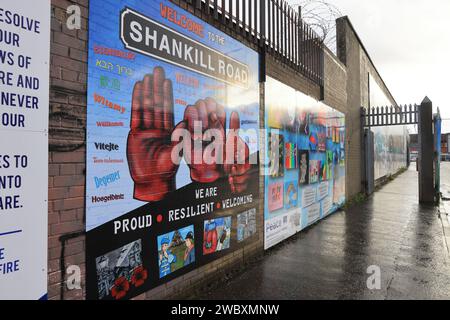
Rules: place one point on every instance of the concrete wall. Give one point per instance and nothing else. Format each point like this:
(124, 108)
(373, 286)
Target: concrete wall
(349, 53)
(373, 92)
(353, 54)
(355, 57)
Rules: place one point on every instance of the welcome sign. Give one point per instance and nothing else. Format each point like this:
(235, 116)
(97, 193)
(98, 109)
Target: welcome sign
(143, 35)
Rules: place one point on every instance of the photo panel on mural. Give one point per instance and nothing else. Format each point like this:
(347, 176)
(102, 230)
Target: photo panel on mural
(303, 120)
(290, 122)
(314, 171)
(314, 141)
(176, 250)
(303, 157)
(216, 235)
(291, 194)
(311, 185)
(246, 225)
(290, 150)
(322, 136)
(275, 196)
(276, 155)
(120, 270)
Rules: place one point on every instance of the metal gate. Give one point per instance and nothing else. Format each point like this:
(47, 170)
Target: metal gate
(421, 115)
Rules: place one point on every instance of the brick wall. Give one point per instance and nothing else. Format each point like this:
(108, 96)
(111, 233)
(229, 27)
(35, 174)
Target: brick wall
(68, 76)
(277, 70)
(335, 83)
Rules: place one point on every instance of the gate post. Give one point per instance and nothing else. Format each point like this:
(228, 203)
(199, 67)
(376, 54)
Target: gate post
(426, 152)
(437, 122)
(367, 155)
(370, 161)
(363, 160)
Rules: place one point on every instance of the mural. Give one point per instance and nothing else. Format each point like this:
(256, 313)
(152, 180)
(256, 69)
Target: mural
(163, 101)
(119, 269)
(390, 143)
(390, 150)
(304, 164)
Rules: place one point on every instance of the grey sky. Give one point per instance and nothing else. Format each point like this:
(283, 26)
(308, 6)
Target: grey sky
(409, 41)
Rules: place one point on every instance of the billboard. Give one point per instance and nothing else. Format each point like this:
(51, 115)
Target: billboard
(304, 162)
(166, 92)
(24, 99)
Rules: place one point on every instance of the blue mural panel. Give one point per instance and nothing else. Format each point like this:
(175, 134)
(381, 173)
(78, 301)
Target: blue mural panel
(304, 162)
(160, 79)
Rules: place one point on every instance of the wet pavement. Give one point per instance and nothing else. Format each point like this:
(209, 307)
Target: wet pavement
(330, 260)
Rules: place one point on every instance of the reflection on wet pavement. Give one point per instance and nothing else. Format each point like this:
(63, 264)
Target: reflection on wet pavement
(330, 260)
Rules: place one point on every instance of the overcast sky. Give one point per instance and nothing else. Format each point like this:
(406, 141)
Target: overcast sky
(409, 41)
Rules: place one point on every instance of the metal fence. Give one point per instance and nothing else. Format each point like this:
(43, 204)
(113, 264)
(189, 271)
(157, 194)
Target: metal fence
(390, 116)
(273, 26)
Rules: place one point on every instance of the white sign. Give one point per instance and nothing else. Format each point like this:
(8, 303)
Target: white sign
(313, 213)
(24, 110)
(282, 227)
(327, 204)
(323, 190)
(308, 196)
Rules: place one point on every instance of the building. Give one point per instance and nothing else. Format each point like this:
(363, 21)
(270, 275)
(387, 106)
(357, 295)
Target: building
(445, 143)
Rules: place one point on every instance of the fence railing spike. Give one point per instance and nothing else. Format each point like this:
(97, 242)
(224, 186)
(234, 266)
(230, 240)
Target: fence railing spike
(272, 25)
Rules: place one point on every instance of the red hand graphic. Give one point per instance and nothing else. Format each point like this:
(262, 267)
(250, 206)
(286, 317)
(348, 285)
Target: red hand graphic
(205, 164)
(149, 141)
(210, 241)
(237, 165)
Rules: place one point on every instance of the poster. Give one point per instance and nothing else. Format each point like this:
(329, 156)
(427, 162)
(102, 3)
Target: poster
(24, 99)
(172, 145)
(246, 227)
(304, 164)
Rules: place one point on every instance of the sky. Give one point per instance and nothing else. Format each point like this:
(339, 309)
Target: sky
(409, 42)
